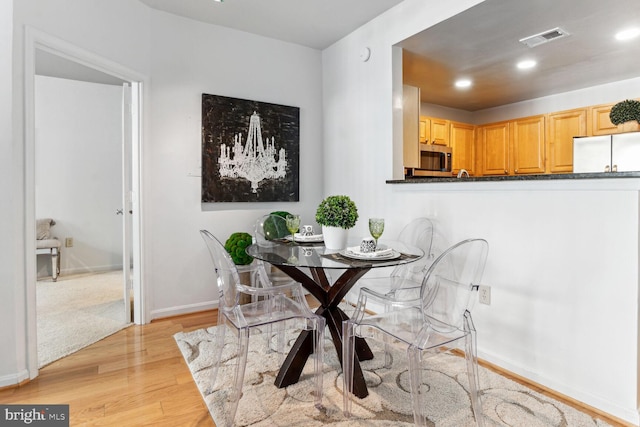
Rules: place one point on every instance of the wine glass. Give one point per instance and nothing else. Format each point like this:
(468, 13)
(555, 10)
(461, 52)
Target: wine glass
(293, 225)
(376, 227)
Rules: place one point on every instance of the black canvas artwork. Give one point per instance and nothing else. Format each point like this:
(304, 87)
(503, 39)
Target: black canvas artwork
(250, 151)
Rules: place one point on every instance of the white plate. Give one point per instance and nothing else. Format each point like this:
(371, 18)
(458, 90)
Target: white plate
(310, 239)
(354, 252)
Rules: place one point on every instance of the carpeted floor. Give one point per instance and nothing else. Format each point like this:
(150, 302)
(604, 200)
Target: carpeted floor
(77, 311)
(505, 403)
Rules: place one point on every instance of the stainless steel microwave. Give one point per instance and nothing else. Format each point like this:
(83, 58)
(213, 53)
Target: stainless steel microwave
(435, 160)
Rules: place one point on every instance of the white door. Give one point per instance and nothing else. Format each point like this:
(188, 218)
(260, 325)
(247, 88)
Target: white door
(127, 199)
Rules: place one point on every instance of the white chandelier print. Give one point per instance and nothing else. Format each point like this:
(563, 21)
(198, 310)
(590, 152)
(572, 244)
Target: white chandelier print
(255, 161)
(250, 151)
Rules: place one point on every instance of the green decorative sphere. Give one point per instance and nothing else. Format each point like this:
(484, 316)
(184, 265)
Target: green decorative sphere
(274, 229)
(236, 245)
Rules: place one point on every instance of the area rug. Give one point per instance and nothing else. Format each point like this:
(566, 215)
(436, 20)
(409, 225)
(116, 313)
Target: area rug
(505, 403)
(77, 311)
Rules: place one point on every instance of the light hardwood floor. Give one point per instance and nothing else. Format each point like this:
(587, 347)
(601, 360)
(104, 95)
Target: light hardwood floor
(138, 377)
(135, 377)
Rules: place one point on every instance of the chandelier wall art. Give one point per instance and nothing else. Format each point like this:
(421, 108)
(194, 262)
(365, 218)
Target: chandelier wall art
(250, 150)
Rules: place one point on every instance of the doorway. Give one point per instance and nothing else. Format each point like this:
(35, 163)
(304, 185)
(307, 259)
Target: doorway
(41, 49)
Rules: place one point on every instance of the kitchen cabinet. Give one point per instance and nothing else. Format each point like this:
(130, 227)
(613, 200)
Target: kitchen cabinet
(410, 126)
(425, 129)
(462, 139)
(434, 131)
(600, 122)
(513, 147)
(562, 127)
(494, 140)
(527, 145)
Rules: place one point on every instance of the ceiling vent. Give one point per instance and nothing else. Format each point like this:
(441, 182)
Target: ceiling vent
(544, 37)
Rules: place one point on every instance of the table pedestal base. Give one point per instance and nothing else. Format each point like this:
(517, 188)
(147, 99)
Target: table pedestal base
(329, 297)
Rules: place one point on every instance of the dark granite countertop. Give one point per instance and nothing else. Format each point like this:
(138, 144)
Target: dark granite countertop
(541, 177)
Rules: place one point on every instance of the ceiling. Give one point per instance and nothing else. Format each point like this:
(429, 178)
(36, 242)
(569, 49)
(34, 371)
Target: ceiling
(312, 23)
(482, 44)
(304, 22)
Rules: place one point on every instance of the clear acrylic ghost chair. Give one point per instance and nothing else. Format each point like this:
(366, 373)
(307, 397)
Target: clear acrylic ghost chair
(437, 322)
(279, 304)
(268, 228)
(418, 233)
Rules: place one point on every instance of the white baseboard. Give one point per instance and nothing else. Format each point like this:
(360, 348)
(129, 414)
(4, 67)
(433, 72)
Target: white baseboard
(92, 269)
(183, 309)
(612, 408)
(14, 379)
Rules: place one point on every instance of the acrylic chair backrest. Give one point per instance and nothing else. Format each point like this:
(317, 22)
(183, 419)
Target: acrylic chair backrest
(270, 227)
(225, 270)
(419, 233)
(450, 282)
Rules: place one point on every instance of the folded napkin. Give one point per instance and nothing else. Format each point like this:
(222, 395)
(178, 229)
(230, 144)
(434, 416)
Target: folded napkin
(378, 253)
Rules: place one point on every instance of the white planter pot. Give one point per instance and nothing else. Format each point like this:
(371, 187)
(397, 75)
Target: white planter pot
(335, 237)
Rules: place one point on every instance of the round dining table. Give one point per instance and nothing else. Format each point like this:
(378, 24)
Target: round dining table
(308, 261)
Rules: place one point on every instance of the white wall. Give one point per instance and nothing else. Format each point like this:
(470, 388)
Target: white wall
(184, 59)
(563, 260)
(188, 59)
(13, 331)
(79, 171)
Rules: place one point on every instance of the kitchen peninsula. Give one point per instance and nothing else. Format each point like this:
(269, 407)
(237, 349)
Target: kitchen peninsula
(508, 178)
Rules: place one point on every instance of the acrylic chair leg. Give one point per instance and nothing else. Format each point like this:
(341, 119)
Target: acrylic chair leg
(236, 392)
(318, 351)
(219, 346)
(415, 379)
(348, 353)
(472, 373)
(387, 354)
(280, 328)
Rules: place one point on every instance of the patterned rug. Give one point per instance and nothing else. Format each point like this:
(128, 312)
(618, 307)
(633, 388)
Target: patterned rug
(505, 403)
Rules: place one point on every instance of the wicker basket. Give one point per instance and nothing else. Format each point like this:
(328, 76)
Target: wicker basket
(631, 126)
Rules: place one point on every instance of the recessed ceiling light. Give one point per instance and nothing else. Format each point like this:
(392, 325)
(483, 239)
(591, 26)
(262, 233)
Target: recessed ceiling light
(526, 64)
(463, 83)
(628, 34)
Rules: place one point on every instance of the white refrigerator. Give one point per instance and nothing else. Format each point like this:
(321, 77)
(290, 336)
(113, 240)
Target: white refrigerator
(607, 153)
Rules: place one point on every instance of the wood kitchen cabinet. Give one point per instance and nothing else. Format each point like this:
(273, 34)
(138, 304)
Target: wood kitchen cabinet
(561, 128)
(434, 131)
(527, 145)
(600, 122)
(494, 140)
(462, 139)
(514, 147)
(425, 129)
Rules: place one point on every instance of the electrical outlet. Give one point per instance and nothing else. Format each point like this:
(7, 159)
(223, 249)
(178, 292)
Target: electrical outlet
(484, 294)
(68, 242)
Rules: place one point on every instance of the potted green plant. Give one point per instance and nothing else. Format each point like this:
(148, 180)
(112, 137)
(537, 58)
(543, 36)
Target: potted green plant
(626, 115)
(336, 215)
